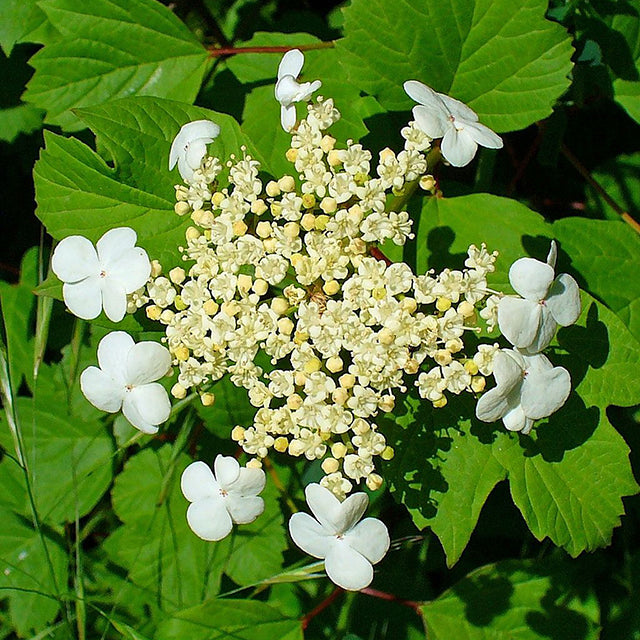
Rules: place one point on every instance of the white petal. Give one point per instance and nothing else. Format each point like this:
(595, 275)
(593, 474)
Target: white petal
(519, 320)
(113, 244)
(288, 117)
(244, 510)
(286, 90)
(563, 300)
(347, 568)
(114, 299)
(250, 482)
(458, 147)
(226, 469)
(508, 369)
(197, 482)
(83, 298)
(113, 350)
(531, 278)
(492, 405)
(483, 135)
(424, 95)
(147, 362)
(352, 509)
(552, 256)
(186, 172)
(515, 420)
(307, 89)
(195, 151)
(432, 122)
(536, 363)
(75, 258)
(544, 392)
(291, 64)
(458, 109)
(335, 516)
(309, 535)
(132, 269)
(198, 129)
(369, 538)
(101, 390)
(147, 406)
(545, 333)
(209, 519)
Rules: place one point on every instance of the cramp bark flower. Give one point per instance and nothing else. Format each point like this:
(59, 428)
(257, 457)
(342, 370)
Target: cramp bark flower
(528, 388)
(190, 146)
(348, 547)
(100, 277)
(530, 322)
(126, 379)
(288, 90)
(220, 499)
(440, 116)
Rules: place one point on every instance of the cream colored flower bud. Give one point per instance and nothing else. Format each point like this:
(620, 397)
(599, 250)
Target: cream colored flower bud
(386, 154)
(287, 183)
(178, 391)
(207, 399)
(269, 245)
(388, 453)
(308, 201)
(192, 233)
(211, 307)
(340, 396)
(387, 404)
(181, 353)
(291, 230)
(338, 450)
(347, 380)
(331, 287)
(281, 444)
(327, 143)
(471, 367)
(374, 482)
(360, 178)
(291, 155)
(237, 433)
(360, 426)
(258, 207)
(321, 222)
(354, 214)
(254, 463)
(239, 228)
(466, 309)
(412, 366)
(260, 286)
(286, 326)
(167, 316)
(385, 336)
(299, 378)
(179, 304)
(294, 401)
(272, 189)
(177, 275)
(328, 205)
(276, 209)
(441, 402)
(335, 364)
(330, 465)
(442, 304)
(181, 208)
(333, 158)
(409, 305)
(358, 245)
(300, 336)
(217, 198)
(312, 365)
(244, 282)
(231, 308)
(279, 306)
(442, 357)
(478, 383)
(455, 345)
(156, 268)
(263, 229)
(308, 221)
(428, 183)
(153, 312)
(296, 448)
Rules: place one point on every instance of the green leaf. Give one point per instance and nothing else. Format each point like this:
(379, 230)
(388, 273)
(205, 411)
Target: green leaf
(502, 58)
(113, 49)
(155, 543)
(79, 193)
(513, 600)
(227, 619)
(26, 578)
(69, 459)
(627, 87)
(23, 21)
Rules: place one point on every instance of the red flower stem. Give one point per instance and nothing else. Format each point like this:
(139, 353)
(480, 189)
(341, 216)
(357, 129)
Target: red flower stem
(378, 255)
(383, 595)
(321, 607)
(216, 52)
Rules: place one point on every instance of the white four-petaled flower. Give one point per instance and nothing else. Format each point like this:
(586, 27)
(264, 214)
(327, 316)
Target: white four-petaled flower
(349, 547)
(190, 146)
(219, 499)
(528, 388)
(127, 378)
(100, 277)
(289, 90)
(440, 116)
(530, 322)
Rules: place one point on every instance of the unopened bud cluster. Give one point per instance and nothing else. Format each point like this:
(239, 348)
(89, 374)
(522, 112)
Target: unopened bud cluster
(281, 292)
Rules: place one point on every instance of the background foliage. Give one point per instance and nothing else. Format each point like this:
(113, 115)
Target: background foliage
(501, 535)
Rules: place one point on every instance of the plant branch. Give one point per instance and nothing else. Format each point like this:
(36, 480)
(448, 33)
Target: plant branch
(321, 607)
(383, 595)
(584, 172)
(216, 52)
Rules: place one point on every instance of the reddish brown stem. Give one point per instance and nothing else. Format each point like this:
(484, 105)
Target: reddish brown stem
(378, 255)
(383, 595)
(216, 52)
(321, 607)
